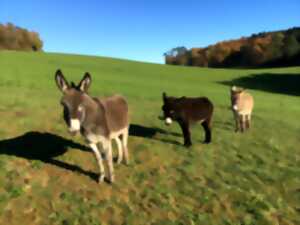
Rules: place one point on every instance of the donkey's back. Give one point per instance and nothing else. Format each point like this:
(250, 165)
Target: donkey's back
(116, 112)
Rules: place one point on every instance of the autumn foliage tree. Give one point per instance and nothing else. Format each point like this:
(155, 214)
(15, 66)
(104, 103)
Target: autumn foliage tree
(20, 39)
(263, 49)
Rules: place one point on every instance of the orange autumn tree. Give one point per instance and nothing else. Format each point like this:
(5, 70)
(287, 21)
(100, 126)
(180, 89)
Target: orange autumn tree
(20, 39)
(263, 49)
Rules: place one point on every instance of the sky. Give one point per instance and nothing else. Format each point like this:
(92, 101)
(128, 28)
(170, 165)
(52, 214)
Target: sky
(143, 30)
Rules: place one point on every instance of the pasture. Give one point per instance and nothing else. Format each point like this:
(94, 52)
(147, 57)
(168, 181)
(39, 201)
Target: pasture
(49, 177)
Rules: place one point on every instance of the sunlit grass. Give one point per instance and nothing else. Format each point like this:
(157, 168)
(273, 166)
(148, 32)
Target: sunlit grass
(251, 178)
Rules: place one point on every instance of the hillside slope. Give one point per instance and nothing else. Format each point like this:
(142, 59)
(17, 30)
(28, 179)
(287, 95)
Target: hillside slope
(48, 178)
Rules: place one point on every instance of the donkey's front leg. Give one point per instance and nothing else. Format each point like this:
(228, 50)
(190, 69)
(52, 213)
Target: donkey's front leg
(248, 121)
(109, 158)
(99, 161)
(243, 122)
(186, 133)
(237, 122)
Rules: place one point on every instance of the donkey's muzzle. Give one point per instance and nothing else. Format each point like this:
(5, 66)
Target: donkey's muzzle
(168, 121)
(74, 127)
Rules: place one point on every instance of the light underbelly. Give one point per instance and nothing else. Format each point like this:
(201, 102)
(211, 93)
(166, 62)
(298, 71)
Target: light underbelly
(95, 138)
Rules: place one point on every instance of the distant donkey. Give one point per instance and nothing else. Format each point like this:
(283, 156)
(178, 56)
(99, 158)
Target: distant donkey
(242, 105)
(99, 120)
(187, 111)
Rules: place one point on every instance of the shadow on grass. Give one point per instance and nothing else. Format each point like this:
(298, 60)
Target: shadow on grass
(151, 132)
(229, 126)
(271, 82)
(44, 147)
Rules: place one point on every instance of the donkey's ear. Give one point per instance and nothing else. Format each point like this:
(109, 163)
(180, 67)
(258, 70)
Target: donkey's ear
(61, 82)
(243, 89)
(164, 95)
(85, 83)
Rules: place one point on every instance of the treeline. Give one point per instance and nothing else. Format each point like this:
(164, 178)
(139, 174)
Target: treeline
(280, 48)
(20, 39)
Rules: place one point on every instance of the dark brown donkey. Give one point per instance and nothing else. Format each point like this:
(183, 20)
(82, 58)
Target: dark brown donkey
(187, 111)
(99, 120)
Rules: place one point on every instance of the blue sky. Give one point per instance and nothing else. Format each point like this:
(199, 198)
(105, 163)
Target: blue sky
(143, 30)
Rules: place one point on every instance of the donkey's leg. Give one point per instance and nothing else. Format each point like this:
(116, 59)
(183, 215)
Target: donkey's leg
(108, 150)
(248, 121)
(237, 122)
(186, 133)
(99, 161)
(120, 151)
(124, 145)
(101, 150)
(207, 128)
(243, 122)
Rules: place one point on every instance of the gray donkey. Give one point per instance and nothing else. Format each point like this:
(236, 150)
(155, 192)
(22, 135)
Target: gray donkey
(99, 120)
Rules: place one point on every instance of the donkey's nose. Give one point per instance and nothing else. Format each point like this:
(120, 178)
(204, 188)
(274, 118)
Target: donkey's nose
(74, 125)
(168, 121)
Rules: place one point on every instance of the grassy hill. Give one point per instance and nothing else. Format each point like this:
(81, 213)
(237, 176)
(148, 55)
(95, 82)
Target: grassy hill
(48, 178)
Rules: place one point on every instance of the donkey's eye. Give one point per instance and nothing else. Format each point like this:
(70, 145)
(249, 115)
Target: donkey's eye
(171, 111)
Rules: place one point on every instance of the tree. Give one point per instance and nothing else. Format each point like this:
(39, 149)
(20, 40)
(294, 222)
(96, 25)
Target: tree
(291, 47)
(16, 38)
(174, 52)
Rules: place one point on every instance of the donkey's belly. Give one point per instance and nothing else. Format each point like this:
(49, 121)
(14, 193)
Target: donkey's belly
(243, 112)
(96, 138)
(117, 134)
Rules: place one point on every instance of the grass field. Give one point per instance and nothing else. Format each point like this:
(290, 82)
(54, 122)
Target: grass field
(46, 177)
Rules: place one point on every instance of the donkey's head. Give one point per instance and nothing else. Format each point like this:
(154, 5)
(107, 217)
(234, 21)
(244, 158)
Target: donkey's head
(236, 90)
(235, 93)
(72, 100)
(169, 109)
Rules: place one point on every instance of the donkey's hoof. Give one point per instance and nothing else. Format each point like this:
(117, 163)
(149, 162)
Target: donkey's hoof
(126, 161)
(101, 178)
(112, 179)
(119, 160)
(187, 145)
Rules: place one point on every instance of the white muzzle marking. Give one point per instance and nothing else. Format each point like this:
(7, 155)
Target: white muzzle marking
(74, 125)
(168, 121)
(235, 107)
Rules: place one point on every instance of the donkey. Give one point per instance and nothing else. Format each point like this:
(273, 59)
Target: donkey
(242, 105)
(187, 111)
(99, 120)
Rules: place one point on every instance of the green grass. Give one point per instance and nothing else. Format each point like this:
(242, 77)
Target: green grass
(251, 178)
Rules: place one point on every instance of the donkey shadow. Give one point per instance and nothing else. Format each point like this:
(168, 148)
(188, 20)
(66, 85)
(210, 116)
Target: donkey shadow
(269, 82)
(151, 132)
(44, 147)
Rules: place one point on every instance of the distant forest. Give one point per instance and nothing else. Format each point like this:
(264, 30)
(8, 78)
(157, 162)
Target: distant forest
(279, 48)
(20, 39)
